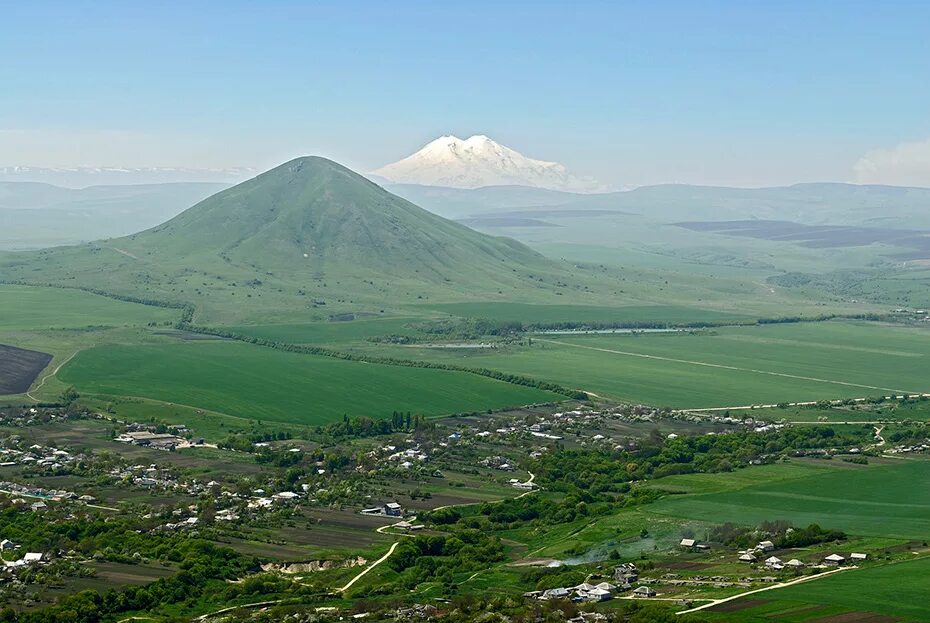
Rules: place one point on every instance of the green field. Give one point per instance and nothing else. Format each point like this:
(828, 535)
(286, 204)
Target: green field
(543, 314)
(875, 500)
(32, 308)
(327, 332)
(732, 366)
(265, 384)
(897, 590)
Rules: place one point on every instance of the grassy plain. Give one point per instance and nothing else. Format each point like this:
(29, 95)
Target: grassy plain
(872, 500)
(730, 366)
(542, 314)
(895, 590)
(24, 308)
(265, 384)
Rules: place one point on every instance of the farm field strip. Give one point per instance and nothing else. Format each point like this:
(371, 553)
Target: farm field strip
(877, 500)
(266, 384)
(725, 367)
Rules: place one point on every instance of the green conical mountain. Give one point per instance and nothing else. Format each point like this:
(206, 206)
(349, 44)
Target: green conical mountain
(309, 234)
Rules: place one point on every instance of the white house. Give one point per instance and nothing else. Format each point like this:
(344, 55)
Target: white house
(834, 559)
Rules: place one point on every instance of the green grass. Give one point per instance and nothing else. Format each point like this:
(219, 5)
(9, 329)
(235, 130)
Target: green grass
(876, 500)
(898, 589)
(265, 384)
(25, 308)
(731, 366)
(529, 313)
(327, 332)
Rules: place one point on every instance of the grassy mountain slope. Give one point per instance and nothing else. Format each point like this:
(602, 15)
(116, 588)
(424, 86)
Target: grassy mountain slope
(309, 237)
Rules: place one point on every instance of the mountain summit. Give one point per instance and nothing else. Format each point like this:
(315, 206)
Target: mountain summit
(309, 234)
(480, 161)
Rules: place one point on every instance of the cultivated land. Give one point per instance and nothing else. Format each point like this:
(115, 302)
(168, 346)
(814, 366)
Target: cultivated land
(728, 366)
(897, 590)
(873, 500)
(276, 386)
(19, 368)
(25, 308)
(553, 314)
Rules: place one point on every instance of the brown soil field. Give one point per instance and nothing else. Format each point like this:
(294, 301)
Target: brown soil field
(738, 604)
(19, 368)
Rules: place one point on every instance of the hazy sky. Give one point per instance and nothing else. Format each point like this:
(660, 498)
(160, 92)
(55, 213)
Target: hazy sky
(742, 93)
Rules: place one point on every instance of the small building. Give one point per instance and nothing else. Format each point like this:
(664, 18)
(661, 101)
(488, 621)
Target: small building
(687, 543)
(834, 559)
(7, 545)
(393, 509)
(32, 557)
(627, 573)
(765, 546)
(644, 591)
(772, 561)
(748, 558)
(794, 563)
(596, 594)
(858, 557)
(556, 593)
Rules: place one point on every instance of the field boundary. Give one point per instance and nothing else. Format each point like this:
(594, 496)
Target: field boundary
(708, 364)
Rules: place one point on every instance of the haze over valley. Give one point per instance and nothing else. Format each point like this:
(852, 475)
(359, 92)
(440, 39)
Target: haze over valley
(443, 312)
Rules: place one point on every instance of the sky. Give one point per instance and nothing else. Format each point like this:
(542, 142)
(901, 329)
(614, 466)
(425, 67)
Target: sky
(742, 93)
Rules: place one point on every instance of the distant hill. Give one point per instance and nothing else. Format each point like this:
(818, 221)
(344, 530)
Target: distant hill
(308, 235)
(35, 215)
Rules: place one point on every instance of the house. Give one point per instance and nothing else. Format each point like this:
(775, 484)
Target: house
(596, 594)
(688, 543)
(644, 591)
(834, 559)
(747, 557)
(555, 593)
(794, 563)
(393, 509)
(627, 573)
(32, 557)
(765, 546)
(858, 557)
(773, 561)
(285, 496)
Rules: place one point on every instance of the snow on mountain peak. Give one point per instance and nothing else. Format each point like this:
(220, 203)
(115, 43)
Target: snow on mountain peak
(480, 161)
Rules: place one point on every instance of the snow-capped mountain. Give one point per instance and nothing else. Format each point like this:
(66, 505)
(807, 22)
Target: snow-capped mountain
(81, 177)
(479, 161)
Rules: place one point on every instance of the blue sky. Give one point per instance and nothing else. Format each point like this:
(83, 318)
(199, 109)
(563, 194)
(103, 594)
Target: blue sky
(742, 93)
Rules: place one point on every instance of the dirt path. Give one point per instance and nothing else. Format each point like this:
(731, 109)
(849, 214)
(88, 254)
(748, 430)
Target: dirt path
(126, 253)
(369, 568)
(721, 366)
(807, 578)
(50, 375)
(257, 604)
(396, 543)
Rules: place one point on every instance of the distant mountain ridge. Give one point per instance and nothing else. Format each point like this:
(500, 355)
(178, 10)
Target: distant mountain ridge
(35, 215)
(480, 161)
(82, 177)
(808, 203)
